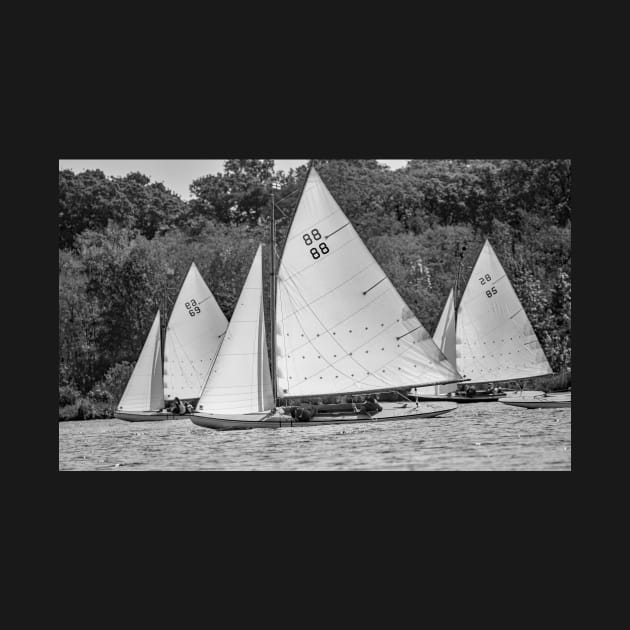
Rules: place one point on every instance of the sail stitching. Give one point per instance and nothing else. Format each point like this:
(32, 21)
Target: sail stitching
(333, 365)
(292, 279)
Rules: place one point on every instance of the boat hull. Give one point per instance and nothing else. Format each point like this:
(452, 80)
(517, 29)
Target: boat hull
(537, 403)
(148, 416)
(479, 397)
(461, 399)
(390, 412)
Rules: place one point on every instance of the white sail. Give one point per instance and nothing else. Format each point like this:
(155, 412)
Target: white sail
(444, 338)
(341, 326)
(144, 390)
(193, 336)
(239, 380)
(495, 340)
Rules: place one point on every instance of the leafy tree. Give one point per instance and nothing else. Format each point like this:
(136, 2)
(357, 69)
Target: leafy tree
(90, 200)
(127, 243)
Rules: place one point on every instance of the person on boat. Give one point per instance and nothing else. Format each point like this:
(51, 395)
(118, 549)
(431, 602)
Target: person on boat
(178, 407)
(189, 407)
(471, 391)
(304, 413)
(370, 406)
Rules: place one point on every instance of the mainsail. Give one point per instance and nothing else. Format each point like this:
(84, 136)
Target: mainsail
(239, 381)
(193, 336)
(341, 326)
(495, 340)
(144, 390)
(444, 338)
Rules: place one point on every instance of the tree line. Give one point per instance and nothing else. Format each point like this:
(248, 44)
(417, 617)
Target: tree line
(126, 243)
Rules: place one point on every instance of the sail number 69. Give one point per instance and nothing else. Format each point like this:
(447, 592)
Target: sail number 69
(192, 308)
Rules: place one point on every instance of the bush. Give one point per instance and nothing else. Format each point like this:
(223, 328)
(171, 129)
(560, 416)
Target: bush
(69, 412)
(100, 395)
(68, 395)
(114, 383)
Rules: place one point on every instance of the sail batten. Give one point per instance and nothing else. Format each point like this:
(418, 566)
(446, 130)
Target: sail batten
(341, 325)
(495, 340)
(193, 337)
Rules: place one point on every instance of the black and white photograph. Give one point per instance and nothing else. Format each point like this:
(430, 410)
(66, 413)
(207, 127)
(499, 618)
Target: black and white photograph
(314, 314)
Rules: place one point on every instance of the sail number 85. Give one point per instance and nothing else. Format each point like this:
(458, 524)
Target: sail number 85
(192, 308)
(483, 281)
(314, 251)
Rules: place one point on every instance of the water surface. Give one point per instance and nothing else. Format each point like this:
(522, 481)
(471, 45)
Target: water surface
(479, 436)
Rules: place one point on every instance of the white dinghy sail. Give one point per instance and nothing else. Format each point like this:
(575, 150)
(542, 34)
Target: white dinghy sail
(341, 326)
(239, 381)
(495, 340)
(444, 337)
(144, 391)
(192, 339)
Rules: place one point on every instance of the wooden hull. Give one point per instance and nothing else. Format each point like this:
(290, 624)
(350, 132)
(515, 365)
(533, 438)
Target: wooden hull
(391, 411)
(148, 416)
(481, 397)
(539, 402)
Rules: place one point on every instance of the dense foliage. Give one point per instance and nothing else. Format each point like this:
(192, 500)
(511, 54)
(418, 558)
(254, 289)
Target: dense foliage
(126, 245)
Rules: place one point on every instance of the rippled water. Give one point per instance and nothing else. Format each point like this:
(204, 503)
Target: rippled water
(479, 436)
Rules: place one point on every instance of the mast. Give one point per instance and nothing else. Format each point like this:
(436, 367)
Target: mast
(163, 326)
(459, 268)
(272, 293)
(274, 277)
(163, 319)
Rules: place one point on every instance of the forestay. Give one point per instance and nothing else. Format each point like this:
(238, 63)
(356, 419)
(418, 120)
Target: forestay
(239, 381)
(193, 336)
(144, 390)
(341, 326)
(495, 340)
(444, 337)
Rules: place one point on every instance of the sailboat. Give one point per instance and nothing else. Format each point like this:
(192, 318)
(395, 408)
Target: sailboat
(190, 342)
(238, 388)
(339, 327)
(551, 400)
(491, 338)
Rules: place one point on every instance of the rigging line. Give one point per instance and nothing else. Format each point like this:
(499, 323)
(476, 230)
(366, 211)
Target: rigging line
(288, 195)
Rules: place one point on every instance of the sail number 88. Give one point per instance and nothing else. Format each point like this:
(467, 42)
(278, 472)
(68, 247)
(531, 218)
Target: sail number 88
(314, 251)
(192, 308)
